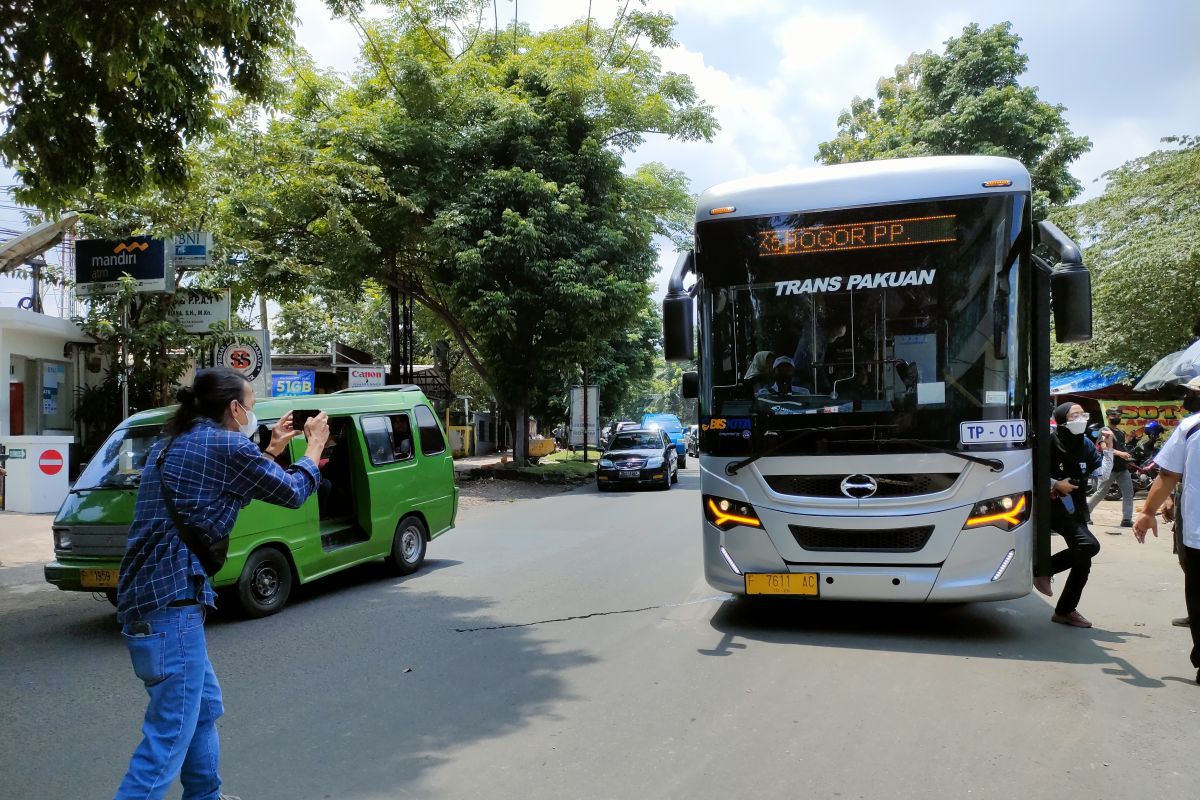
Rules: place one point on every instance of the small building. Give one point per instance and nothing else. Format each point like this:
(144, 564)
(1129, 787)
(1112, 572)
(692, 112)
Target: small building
(37, 412)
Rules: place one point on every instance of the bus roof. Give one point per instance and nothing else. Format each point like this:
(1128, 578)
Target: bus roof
(865, 183)
(385, 398)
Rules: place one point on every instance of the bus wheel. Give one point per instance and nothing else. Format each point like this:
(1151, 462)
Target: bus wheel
(408, 546)
(265, 583)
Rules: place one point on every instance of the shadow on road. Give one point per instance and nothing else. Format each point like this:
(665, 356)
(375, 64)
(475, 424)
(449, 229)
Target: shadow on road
(358, 689)
(1018, 630)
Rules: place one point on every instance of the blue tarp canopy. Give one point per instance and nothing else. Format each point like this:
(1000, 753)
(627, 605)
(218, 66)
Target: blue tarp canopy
(1085, 380)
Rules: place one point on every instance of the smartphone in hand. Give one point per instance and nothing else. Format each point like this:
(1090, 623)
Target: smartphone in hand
(301, 416)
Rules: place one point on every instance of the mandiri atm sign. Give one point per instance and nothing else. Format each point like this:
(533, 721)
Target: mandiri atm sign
(100, 263)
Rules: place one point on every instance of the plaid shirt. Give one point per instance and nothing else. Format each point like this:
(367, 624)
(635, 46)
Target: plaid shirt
(214, 474)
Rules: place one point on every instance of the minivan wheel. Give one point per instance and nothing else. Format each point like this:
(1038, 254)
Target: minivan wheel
(111, 596)
(265, 583)
(408, 546)
(681, 463)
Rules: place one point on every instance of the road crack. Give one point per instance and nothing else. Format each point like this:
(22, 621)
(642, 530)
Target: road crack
(574, 617)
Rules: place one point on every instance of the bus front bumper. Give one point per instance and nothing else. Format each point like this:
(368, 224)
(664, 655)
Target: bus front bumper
(972, 571)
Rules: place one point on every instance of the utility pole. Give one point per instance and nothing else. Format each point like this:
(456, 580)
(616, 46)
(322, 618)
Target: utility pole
(585, 416)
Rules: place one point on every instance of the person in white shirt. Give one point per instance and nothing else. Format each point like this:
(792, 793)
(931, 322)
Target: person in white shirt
(1180, 460)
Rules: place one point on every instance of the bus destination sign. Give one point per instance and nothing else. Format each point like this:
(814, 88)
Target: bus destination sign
(857, 236)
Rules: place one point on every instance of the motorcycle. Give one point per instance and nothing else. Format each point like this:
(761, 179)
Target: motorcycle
(1140, 475)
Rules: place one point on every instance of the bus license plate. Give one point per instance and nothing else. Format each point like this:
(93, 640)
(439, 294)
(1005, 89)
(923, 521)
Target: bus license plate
(795, 583)
(630, 473)
(98, 578)
(992, 431)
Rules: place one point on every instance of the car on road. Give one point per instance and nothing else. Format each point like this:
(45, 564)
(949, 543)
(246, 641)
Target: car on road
(615, 427)
(382, 495)
(670, 425)
(639, 457)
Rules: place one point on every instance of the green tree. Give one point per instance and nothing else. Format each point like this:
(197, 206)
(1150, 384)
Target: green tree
(105, 95)
(1144, 258)
(967, 100)
(480, 171)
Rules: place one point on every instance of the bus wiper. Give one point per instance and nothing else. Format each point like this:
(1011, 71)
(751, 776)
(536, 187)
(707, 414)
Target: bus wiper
(732, 467)
(994, 464)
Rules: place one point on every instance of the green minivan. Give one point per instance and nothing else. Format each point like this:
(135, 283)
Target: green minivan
(387, 489)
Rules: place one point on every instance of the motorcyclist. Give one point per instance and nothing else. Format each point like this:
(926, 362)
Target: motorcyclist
(1148, 447)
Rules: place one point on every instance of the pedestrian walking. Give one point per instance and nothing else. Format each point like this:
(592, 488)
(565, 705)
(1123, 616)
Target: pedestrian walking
(195, 482)
(1072, 458)
(1119, 474)
(1179, 465)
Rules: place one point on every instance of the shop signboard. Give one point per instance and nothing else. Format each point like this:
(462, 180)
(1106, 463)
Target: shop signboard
(367, 376)
(197, 311)
(99, 264)
(293, 382)
(593, 416)
(251, 356)
(1136, 413)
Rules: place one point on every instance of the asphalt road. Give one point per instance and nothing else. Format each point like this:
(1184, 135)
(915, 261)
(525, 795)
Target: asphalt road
(567, 647)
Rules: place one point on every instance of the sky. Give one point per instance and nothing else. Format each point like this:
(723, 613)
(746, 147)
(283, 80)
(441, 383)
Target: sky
(778, 72)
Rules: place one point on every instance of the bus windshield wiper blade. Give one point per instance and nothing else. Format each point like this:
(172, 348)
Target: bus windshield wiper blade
(732, 467)
(994, 464)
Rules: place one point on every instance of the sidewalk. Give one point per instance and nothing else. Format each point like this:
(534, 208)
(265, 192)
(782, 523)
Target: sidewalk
(489, 461)
(25, 539)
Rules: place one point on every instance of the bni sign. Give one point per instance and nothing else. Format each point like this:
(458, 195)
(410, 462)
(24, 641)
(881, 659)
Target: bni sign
(100, 263)
(193, 249)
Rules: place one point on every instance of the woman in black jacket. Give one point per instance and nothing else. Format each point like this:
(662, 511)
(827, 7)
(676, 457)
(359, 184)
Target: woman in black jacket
(1072, 458)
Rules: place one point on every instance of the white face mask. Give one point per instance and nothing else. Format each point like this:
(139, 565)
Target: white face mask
(248, 430)
(1077, 426)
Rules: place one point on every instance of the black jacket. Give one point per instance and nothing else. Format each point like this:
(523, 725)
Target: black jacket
(1074, 462)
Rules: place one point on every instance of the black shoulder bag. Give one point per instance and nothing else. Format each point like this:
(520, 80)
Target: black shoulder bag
(211, 556)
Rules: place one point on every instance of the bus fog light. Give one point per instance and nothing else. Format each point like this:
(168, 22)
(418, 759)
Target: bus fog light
(1005, 512)
(1004, 565)
(729, 561)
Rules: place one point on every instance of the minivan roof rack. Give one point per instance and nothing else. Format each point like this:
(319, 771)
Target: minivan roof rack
(398, 387)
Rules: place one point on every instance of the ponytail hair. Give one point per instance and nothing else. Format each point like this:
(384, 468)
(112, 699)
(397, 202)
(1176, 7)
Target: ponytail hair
(208, 396)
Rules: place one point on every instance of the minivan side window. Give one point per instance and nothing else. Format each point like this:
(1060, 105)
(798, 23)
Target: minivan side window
(389, 439)
(433, 441)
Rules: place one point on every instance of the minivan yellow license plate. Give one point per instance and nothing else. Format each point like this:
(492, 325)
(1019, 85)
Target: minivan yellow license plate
(786, 583)
(98, 578)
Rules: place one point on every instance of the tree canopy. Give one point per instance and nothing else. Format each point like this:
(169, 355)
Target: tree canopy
(967, 100)
(1140, 245)
(106, 95)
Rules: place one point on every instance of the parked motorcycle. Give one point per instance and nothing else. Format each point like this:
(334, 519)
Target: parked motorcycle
(1141, 475)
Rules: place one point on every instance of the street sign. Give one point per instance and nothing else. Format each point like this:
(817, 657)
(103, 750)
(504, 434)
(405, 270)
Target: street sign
(593, 416)
(197, 311)
(251, 356)
(193, 249)
(367, 376)
(293, 382)
(99, 263)
(51, 462)
(16, 453)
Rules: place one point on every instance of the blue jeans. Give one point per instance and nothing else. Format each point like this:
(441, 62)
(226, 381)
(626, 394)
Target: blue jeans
(179, 734)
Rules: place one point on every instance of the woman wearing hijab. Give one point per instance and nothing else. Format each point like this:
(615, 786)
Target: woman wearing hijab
(1072, 458)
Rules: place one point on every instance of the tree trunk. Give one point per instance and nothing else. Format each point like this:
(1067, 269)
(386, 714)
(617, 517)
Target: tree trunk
(520, 435)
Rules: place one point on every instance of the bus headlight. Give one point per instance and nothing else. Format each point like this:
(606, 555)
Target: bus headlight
(1005, 512)
(726, 514)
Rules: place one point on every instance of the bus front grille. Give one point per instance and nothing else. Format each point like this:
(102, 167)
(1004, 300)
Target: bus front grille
(890, 485)
(895, 540)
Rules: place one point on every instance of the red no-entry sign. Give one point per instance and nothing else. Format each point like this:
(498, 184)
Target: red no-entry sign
(51, 462)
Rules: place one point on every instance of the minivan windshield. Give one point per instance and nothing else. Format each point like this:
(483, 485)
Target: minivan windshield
(119, 461)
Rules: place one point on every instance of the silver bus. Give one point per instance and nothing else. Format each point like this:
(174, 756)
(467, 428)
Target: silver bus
(872, 376)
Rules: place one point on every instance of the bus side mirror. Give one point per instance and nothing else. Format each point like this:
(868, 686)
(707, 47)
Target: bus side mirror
(691, 385)
(679, 314)
(1070, 286)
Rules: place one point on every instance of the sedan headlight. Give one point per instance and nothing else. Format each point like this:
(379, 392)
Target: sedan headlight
(654, 463)
(606, 463)
(1005, 512)
(62, 539)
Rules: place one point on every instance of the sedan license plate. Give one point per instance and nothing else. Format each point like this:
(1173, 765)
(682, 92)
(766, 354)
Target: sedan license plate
(788, 583)
(630, 473)
(98, 578)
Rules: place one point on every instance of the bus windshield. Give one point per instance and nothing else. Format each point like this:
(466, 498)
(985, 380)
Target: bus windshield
(898, 318)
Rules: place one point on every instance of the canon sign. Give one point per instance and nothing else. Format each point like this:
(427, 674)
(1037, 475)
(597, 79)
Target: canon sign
(366, 376)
